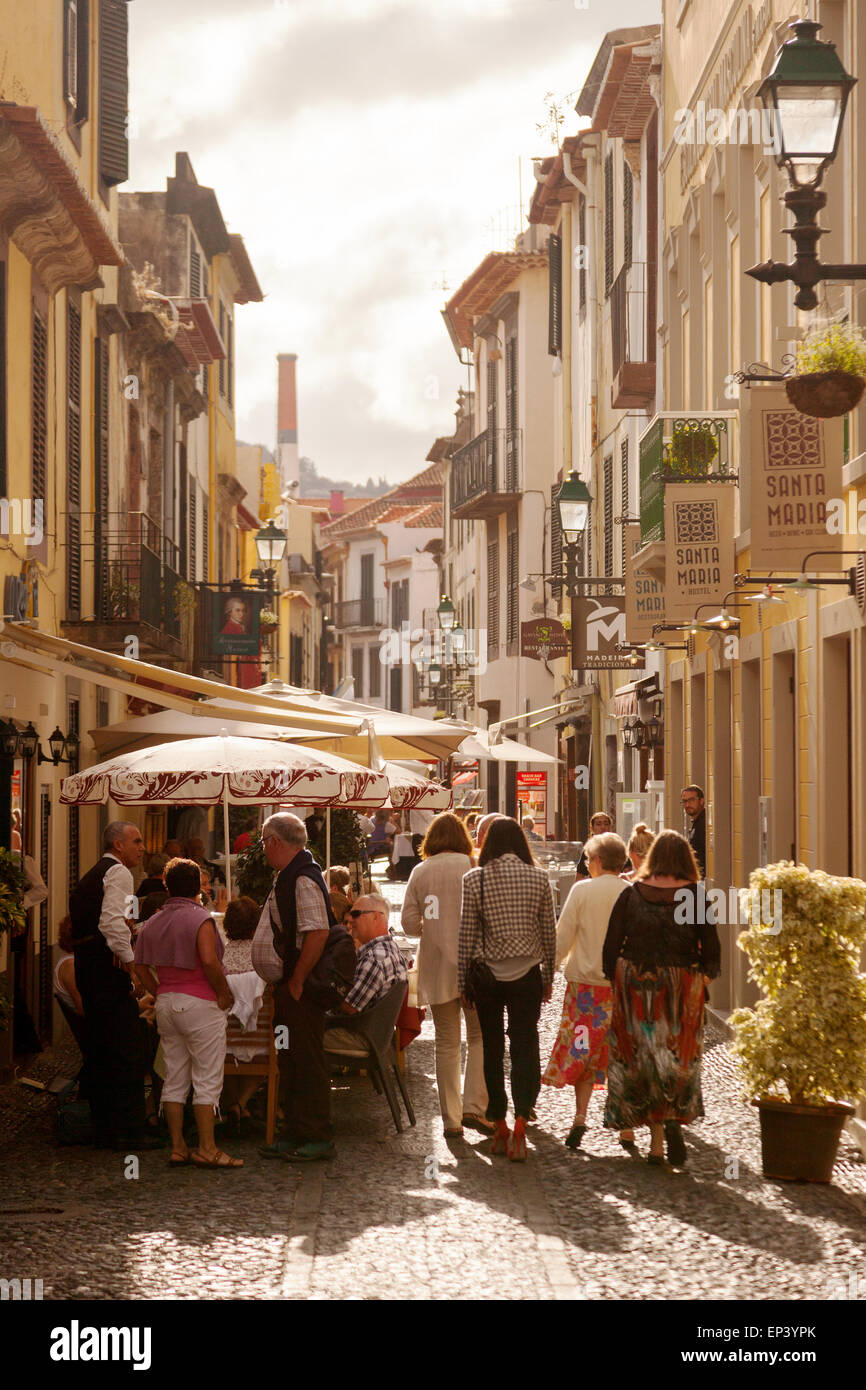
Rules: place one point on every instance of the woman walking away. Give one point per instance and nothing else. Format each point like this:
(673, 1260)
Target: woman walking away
(508, 925)
(580, 1053)
(431, 910)
(660, 955)
(639, 843)
(181, 943)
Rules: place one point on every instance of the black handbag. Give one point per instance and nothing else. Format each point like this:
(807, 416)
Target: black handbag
(480, 979)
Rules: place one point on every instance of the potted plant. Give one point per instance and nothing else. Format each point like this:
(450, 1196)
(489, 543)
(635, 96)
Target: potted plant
(802, 1049)
(268, 619)
(13, 886)
(830, 371)
(691, 450)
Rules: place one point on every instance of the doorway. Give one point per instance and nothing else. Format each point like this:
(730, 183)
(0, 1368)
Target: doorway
(784, 756)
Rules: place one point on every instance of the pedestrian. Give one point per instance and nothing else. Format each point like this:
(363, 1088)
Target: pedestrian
(115, 1060)
(639, 843)
(692, 799)
(659, 953)
(580, 1053)
(431, 911)
(298, 912)
(154, 882)
(507, 921)
(600, 823)
(530, 831)
(181, 943)
(339, 881)
(481, 829)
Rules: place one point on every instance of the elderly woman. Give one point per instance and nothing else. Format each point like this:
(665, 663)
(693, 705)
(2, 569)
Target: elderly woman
(660, 954)
(507, 921)
(431, 910)
(178, 957)
(579, 1056)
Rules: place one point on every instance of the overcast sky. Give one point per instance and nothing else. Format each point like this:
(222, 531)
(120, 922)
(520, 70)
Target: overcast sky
(366, 150)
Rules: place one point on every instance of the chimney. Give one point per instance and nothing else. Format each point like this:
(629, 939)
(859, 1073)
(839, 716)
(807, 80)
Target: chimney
(335, 507)
(287, 418)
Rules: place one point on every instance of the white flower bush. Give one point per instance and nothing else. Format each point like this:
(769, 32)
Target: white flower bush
(806, 1040)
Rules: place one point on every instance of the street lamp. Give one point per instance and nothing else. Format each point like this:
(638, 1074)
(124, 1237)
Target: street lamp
(806, 94)
(270, 546)
(447, 614)
(573, 504)
(434, 673)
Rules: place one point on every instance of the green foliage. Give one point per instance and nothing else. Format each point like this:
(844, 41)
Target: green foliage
(254, 876)
(13, 886)
(839, 347)
(691, 452)
(805, 1041)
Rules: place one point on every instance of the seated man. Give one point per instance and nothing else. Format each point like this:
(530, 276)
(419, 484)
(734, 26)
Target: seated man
(529, 829)
(381, 963)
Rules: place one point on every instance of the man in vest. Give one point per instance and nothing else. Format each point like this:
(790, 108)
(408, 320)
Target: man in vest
(116, 1058)
(299, 906)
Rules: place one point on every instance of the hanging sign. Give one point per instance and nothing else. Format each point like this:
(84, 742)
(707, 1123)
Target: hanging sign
(543, 639)
(699, 546)
(234, 627)
(597, 628)
(644, 595)
(796, 484)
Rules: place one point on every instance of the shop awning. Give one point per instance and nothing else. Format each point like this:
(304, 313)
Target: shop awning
(625, 700)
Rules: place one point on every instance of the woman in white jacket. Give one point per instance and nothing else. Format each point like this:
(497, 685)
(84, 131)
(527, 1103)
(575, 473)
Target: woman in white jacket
(580, 1053)
(431, 910)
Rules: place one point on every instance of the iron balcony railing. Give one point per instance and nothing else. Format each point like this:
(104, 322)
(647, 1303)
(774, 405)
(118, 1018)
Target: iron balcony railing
(360, 612)
(679, 448)
(490, 463)
(137, 572)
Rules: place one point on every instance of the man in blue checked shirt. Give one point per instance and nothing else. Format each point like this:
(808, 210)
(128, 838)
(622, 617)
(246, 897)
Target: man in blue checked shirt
(380, 960)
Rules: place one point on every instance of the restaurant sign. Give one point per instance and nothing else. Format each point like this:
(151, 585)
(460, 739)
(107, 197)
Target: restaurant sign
(699, 539)
(597, 628)
(543, 639)
(644, 595)
(796, 474)
(234, 622)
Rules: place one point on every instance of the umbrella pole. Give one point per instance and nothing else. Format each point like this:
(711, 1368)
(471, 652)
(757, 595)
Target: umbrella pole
(227, 846)
(327, 837)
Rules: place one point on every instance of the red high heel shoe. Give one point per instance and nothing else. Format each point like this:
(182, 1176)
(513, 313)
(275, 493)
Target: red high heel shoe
(516, 1148)
(501, 1139)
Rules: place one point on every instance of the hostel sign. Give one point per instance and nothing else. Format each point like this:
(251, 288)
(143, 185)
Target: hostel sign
(644, 595)
(699, 539)
(796, 472)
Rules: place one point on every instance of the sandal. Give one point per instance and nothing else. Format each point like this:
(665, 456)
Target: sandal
(219, 1160)
(501, 1139)
(179, 1160)
(575, 1135)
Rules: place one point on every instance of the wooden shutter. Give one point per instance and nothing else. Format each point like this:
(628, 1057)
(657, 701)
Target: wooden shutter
(100, 473)
(581, 233)
(194, 274)
(607, 516)
(182, 528)
(492, 431)
(205, 539)
(555, 540)
(623, 466)
(608, 223)
(358, 672)
(193, 529)
(230, 359)
(627, 213)
(554, 324)
(493, 597)
(113, 91)
(39, 393)
(73, 461)
(512, 479)
(375, 672)
(222, 361)
(70, 55)
(512, 591)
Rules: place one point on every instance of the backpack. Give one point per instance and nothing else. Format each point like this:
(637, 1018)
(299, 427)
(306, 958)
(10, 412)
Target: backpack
(331, 977)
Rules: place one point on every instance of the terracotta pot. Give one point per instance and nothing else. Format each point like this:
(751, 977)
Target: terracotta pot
(799, 1142)
(824, 394)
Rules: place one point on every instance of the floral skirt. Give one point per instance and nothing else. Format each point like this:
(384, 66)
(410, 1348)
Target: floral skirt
(580, 1051)
(656, 1034)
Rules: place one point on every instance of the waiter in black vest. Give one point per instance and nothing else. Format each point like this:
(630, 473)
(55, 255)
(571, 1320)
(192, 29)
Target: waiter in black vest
(116, 1058)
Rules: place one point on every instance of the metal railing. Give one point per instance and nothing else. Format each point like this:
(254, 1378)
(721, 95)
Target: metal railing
(360, 612)
(137, 573)
(489, 463)
(678, 448)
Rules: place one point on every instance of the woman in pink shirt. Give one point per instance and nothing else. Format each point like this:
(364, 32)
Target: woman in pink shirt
(181, 944)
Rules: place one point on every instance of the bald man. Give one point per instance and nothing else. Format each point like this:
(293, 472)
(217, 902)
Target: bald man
(483, 826)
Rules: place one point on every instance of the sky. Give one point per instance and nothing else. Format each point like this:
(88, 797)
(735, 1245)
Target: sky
(370, 153)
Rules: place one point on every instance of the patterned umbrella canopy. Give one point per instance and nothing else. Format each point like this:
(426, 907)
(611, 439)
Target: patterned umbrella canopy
(412, 791)
(210, 771)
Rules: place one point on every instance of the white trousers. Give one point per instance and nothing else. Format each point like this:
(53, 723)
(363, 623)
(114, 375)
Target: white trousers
(193, 1033)
(446, 1021)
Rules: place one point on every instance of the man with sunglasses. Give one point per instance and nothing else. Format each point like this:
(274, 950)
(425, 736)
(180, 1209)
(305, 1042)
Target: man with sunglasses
(381, 963)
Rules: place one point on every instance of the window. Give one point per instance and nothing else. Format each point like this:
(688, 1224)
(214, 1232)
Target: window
(609, 224)
(491, 427)
(399, 604)
(395, 701)
(113, 91)
(76, 66)
(222, 361)
(358, 671)
(493, 598)
(193, 529)
(101, 388)
(607, 515)
(374, 690)
(230, 360)
(623, 468)
(627, 213)
(512, 480)
(555, 540)
(194, 274)
(73, 461)
(296, 659)
(554, 324)
(581, 233)
(512, 592)
(39, 391)
(205, 539)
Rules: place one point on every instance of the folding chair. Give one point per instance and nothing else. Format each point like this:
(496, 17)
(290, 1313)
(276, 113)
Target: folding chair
(265, 1065)
(372, 1047)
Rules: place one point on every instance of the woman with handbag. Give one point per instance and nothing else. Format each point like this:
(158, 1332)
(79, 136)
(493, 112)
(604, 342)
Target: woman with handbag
(431, 910)
(506, 958)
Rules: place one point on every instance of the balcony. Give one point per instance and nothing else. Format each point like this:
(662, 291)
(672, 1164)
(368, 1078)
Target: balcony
(679, 448)
(360, 612)
(632, 352)
(485, 475)
(138, 590)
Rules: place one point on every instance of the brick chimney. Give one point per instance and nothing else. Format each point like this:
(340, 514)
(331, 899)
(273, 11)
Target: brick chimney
(336, 505)
(287, 418)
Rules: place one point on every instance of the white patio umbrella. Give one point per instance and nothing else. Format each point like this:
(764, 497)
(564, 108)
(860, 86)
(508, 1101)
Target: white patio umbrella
(226, 771)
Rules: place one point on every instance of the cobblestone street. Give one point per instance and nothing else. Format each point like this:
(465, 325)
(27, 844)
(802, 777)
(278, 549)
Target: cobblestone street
(416, 1216)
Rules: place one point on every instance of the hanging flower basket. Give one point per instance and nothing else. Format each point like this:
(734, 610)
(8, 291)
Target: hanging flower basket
(825, 394)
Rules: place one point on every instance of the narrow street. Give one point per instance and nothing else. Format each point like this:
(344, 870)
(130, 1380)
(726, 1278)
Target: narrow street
(416, 1216)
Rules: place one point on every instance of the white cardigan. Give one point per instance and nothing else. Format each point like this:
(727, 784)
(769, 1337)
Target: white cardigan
(431, 910)
(582, 927)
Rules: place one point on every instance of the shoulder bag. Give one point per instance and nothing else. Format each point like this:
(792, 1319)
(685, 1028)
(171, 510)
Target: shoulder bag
(480, 979)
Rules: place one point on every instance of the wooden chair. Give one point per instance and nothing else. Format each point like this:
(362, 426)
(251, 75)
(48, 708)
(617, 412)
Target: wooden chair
(262, 1037)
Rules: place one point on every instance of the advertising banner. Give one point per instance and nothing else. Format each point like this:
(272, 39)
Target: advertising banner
(532, 792)
(644, 594)
(543, 639)
(699, 542)
(234, 625)
(796, 484)
(597, 626)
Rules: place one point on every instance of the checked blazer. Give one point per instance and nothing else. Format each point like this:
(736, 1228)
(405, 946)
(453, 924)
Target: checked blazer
(518, 915)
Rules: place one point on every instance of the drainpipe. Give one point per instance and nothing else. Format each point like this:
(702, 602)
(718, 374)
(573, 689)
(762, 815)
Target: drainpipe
(590, 143)
(168, 457)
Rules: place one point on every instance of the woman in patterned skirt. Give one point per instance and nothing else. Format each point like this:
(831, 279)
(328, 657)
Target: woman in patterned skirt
(579, 1056)
(660, 953)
